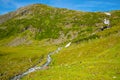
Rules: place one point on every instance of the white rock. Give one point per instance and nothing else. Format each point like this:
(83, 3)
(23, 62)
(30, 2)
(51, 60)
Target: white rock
(109, 14)
(68, 45)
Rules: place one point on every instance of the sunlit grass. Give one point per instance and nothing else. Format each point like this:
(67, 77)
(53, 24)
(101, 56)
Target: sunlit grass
(97, 59)
(15, 60)
(93, 55)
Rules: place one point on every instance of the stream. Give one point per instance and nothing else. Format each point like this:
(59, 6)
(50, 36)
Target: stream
(35, 68)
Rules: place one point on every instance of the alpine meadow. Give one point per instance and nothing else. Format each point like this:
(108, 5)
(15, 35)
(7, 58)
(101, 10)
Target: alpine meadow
(40, 42)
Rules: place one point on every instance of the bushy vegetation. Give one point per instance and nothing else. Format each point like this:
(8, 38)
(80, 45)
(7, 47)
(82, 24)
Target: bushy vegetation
(48, 21)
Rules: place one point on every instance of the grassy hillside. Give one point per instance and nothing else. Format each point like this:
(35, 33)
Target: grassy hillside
(16, 60)
(97, 59)
(28, 34)
(53, 23)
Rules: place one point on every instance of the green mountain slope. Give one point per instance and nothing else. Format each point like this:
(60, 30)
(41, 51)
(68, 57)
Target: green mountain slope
(97, 59)
(28, 34)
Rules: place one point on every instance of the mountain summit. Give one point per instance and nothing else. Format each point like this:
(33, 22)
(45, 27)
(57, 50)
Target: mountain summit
(52, 23)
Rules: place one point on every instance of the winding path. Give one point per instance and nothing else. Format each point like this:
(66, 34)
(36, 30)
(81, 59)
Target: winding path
(35, 68)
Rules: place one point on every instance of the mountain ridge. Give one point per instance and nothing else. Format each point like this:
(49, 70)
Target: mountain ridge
(46, 20)
(57, 16)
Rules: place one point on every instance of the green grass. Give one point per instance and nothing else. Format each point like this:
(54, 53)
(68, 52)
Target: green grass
(97, 59)
(93, 55)
(49, 21)
(15, 60)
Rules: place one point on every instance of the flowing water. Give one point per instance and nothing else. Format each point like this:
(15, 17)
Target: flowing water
(35, 68)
